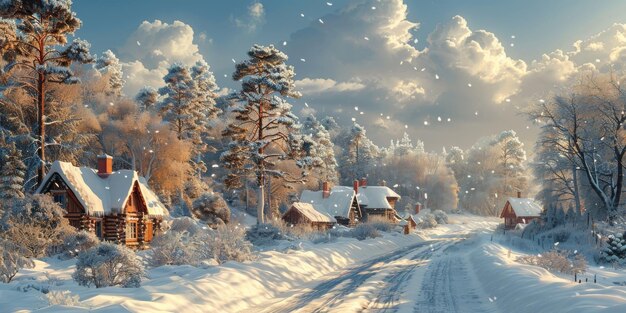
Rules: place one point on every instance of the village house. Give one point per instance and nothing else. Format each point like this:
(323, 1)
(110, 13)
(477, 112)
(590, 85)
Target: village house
(116, 206)
(339, 202)
(520, 211)
(349, 205)
(304, 213)
(376, 200)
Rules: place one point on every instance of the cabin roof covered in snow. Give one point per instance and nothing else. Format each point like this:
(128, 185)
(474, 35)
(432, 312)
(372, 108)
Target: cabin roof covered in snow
(375, 197)
(338, 202)
(313, 215)
(524, 207)
(101, 196)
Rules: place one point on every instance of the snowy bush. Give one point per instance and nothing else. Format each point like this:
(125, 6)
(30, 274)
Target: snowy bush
(12, 259)
(441, 217)
(557, 261)
(228, 243)
(615, 251)
(35, 223)
(265, 234)
(364, 231)
(381, 223)
(108, 265)
(427, 221)
(211, 208)
(188, 243)
(78, 242)
(64, 297)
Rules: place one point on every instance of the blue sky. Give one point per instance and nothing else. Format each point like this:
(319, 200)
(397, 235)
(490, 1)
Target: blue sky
(538, 27)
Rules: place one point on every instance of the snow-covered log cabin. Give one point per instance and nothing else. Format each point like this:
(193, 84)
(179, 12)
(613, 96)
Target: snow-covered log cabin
(339, 202)
(116, 206)
(520, 211)
(376, 200)
(304, 213)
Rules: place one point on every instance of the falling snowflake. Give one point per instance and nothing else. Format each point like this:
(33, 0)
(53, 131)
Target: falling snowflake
(556, 243)
(469, 85)
(597, 60)
(542, 101)
(406, 126)
(329, 4)
(356, 108)
(512, 36)
(284, 43)
(138, 43)
(438, 118)
(425, 123)
(303, 60)
(373, 8)
(233, 60)
(436, 76)
(415, 40)
(388, 117)
(512, 45)
(301, 14)
(111, 104)
(507, 100)
(225, 75)
(476, 113)
(449, 119)
(215, 166)
(366, 38)
(306, 104)
(354, 119)
(321, 21)
(395, 186)
(423, 69)
(361, 113)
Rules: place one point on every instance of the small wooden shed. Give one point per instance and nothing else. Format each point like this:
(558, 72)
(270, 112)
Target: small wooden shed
(304, 213)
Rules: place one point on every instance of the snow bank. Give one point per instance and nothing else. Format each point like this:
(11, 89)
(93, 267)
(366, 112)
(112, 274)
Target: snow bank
(529, 288)
(228, 288)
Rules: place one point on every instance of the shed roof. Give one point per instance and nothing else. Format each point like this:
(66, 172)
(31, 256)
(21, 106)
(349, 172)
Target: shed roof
(525, 207)
(309, 212)
(375, 197)
(102, 196)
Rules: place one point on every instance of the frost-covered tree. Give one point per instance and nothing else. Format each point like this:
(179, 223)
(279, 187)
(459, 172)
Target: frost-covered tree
(36, 224)
(324, 149)
(12, 173)
(331, 126)
(12, 259)
(511, 158)
(147, 98)
(107, 265)
(188, 105)
(264, 130)
(360, 155)
(615, 250)
(34, 46)
(109, 65)
(211, 208)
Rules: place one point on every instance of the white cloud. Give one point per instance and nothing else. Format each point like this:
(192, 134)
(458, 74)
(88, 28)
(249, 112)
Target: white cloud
(254, 18)
(311, 86)
(161, 44)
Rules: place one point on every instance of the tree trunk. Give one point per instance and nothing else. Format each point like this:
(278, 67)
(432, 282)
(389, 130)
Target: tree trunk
(260, 204)
(576, 191)
(41, 105)
(269, 198)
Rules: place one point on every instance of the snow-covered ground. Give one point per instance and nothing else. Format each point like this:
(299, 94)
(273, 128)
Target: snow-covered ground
(451, 268)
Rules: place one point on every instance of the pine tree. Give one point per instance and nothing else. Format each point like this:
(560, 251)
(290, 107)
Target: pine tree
(34, 44)
(324, 149)
(615, 251)
(147, 98)
(264, 130)
(360, 156)
(12, 175)
(108, 64)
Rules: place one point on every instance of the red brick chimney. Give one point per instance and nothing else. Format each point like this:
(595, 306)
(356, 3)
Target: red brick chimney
(355, 185)
(325, 190)
(363, 182)
(519, 194)
(105, 165)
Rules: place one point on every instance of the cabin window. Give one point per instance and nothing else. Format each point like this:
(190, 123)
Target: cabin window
(75, 222)
(60, 198)
(99, 229)
(131, 230)
(130, 200)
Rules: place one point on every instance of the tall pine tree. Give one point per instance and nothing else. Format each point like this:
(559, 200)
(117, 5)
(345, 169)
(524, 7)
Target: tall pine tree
(34, 45)
(12, 175)
(264, 130)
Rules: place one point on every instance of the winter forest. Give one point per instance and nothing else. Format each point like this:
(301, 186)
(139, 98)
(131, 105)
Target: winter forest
(353, 159)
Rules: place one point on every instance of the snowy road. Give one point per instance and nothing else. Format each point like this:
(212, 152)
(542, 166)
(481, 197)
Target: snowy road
(430, 276)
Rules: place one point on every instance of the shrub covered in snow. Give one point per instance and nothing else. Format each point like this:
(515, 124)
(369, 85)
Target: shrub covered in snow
(35, 223)
(615, 251)
(64, 297)
(427, 221)
(441, 217)
(108, 265)
(265, 234)
(211, 208)
(186, 242)
(12, 259)
(364, 231)
(557, 261)
(381, 223)
(78, 242)
(228, 243)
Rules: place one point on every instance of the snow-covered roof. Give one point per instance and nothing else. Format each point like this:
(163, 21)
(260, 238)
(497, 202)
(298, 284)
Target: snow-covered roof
(525, 207)
(376, 196)
(101, 196)
(338, 202)
(313, 215)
